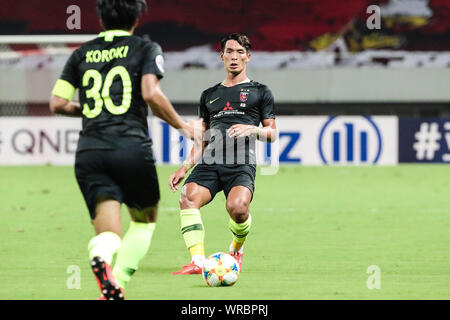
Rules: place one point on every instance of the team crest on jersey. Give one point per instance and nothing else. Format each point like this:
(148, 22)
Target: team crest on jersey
(243, 96)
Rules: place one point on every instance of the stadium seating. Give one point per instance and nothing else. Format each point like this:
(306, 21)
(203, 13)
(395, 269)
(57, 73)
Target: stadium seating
(274, 25)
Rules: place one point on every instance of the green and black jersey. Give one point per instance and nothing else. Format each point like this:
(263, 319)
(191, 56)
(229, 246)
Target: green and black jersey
(108, 72)
(221, 107)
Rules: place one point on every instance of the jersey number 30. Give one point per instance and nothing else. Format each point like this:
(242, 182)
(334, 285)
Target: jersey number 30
(104, 96)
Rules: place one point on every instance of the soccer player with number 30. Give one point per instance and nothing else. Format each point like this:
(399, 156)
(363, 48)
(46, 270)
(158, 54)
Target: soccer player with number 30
(117, 75)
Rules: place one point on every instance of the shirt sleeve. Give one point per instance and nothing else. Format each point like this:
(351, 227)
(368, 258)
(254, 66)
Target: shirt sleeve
(267, 105)
(153, 61)
(202, 109)
(67, 83)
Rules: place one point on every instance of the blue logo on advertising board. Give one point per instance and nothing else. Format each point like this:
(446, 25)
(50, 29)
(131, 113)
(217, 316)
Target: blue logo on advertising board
(350, 140)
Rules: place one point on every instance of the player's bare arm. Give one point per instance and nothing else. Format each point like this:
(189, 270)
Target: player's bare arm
(268, 132)
(163, 109)
(193, 157)
(65, 107)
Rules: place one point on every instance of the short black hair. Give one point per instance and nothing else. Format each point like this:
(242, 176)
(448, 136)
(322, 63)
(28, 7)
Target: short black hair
(240, 38)
(120, 14)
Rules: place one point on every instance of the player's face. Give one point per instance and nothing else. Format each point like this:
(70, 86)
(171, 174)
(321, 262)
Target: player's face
(235, 57)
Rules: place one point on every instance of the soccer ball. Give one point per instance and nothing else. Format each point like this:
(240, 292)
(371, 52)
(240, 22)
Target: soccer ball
(220, 269)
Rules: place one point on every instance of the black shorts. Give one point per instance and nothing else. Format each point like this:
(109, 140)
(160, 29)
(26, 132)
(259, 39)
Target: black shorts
(217, 177)
(127, 175)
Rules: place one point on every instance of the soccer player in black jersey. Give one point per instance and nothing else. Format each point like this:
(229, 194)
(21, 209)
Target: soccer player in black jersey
(117, 75)
(232, 112)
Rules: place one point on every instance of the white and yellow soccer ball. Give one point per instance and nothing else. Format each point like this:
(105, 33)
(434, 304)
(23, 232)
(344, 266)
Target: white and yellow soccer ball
(220, 269)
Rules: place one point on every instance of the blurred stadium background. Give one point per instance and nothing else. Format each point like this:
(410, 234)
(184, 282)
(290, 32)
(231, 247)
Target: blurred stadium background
(318, 57)
(345, 94)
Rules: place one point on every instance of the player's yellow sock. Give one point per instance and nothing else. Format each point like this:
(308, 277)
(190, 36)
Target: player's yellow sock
(198, 254)
(198, 249)
(240, 232)
(193, 234)
(135, 245)
(104, 245)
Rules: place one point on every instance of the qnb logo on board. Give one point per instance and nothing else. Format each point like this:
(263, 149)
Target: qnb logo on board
(350, 140)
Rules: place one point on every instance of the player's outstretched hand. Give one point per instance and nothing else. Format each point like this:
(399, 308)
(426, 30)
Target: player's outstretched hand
(194, 130)
(241, 130)
(176, 178)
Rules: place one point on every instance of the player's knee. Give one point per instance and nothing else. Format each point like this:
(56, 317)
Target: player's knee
(238, 210)
(187, 200)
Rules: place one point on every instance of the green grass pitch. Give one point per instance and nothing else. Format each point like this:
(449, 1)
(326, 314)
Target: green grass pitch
(315, 232)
